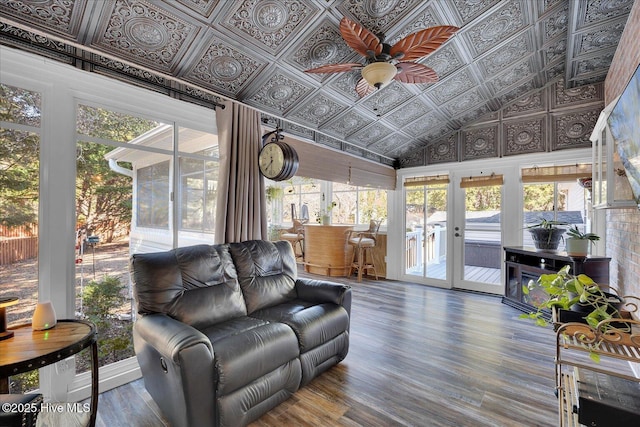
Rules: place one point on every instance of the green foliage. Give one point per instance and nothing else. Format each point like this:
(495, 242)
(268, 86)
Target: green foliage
(574, 233)
(563, 290)
(19, 157)
(101, 298)
(103, 197)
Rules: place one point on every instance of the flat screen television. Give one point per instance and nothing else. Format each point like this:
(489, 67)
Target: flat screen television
(624, 123)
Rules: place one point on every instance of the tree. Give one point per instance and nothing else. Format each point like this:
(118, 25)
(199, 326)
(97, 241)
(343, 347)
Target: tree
(19, 157)
(103, 197)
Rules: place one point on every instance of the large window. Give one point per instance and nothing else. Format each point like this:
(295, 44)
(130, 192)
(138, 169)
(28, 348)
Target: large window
(555, 194)
(20, 121)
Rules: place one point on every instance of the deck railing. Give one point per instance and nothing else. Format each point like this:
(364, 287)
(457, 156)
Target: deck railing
(420, 243)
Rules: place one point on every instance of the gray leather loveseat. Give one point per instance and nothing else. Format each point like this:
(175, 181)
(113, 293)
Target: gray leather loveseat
(227, 332)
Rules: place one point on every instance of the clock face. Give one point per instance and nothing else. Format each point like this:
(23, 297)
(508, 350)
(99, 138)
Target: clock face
(271, 160)
(278, 161)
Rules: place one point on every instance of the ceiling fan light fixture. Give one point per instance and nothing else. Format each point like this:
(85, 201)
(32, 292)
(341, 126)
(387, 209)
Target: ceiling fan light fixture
(379, 74)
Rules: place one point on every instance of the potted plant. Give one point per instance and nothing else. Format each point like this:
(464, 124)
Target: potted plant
(578, 242)
(324, 216)
(546, 234)
(575, 299)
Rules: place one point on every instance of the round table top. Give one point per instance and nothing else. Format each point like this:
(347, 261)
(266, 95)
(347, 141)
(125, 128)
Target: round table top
(29, 349)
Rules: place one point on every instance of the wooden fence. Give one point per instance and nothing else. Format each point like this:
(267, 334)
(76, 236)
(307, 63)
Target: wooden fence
(18, 243)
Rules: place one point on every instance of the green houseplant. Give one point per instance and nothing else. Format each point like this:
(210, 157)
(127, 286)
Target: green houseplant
(578, 242)
(578, 295)
(546, 234)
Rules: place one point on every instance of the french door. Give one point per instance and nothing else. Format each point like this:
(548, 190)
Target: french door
(453, 236)
(477, 232)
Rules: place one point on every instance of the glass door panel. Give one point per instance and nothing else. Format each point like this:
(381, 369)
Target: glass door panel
(479, 247)
(426, 233)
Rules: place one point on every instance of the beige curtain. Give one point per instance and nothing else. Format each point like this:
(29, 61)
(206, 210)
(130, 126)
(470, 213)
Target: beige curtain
(241, 212)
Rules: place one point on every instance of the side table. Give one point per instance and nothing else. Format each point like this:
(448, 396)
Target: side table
(28, 350)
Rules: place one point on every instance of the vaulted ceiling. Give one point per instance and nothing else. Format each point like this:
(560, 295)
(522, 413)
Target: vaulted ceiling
(256, 51)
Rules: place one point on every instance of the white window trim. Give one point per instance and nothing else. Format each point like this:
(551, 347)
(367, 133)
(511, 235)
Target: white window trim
(66, 87)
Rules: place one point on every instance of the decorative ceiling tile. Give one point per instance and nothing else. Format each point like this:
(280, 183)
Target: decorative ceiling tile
(328, 141)
(524, 136)
(389, 143)
(224, 68)
(300, 131)
(412, 158)
(443, 151)
(555, 51)
(61, 16)
(498, 59)
(377, 16)
(516, 91)
(408, 112)
(597, 11)
(444, 61)
(556, 23)
(603, 38)
(386, 99)
(421, 126)
(203, 7)
(452, 87)
(562, 96)
(496, 27)
(510, 76)
(470, 9)
(268, 23)
(324, 46)
(255, 51)
(480, 143)
(317, 110)
(142, 32)
(369, 135)
(462, 103)
(425, 19)
(531, 103)
(345, 84)
(572, 130)
(278, 93)
(345, 124)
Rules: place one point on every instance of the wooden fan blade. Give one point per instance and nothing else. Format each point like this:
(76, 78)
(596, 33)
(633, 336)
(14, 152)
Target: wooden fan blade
(363, 88)
(412, 72)
(422, 43)
(359, 38)
(335, 68)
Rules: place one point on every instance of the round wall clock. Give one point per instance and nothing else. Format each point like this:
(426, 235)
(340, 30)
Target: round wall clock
(278, 161)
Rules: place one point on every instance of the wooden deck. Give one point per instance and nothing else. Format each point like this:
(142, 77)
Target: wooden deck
(472, 273)
(419, 356)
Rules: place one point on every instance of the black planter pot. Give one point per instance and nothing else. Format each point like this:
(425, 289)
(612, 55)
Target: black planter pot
(546, 239)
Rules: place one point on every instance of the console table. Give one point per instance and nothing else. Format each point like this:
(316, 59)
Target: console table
(28, 350)
(525, 263)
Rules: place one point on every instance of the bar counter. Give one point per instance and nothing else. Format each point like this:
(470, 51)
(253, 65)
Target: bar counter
(325, 249)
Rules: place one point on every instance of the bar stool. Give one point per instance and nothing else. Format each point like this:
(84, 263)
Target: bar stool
(295, 236)
(363, 243)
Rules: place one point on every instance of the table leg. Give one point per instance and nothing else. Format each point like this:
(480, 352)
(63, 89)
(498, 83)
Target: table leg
(94, 384)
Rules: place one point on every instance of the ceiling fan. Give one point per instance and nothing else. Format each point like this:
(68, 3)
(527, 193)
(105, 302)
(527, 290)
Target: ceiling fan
(385, 62)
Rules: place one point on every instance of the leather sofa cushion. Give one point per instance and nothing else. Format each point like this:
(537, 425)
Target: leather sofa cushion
(245, 349)
(313, 324)
(267, 272)
(196, 285)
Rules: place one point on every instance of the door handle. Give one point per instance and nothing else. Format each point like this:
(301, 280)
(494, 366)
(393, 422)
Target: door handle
(457, 234)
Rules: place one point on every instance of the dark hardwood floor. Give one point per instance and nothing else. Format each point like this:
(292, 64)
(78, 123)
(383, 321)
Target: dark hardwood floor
(419, 356)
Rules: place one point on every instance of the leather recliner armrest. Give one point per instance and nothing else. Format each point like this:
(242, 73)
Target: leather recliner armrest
(169, 336)
(324, 291)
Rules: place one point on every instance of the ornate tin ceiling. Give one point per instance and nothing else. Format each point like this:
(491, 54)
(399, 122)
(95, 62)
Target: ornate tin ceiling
(507, 52)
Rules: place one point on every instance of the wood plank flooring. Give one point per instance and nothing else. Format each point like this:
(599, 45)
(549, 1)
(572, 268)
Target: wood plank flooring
(419, 356)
